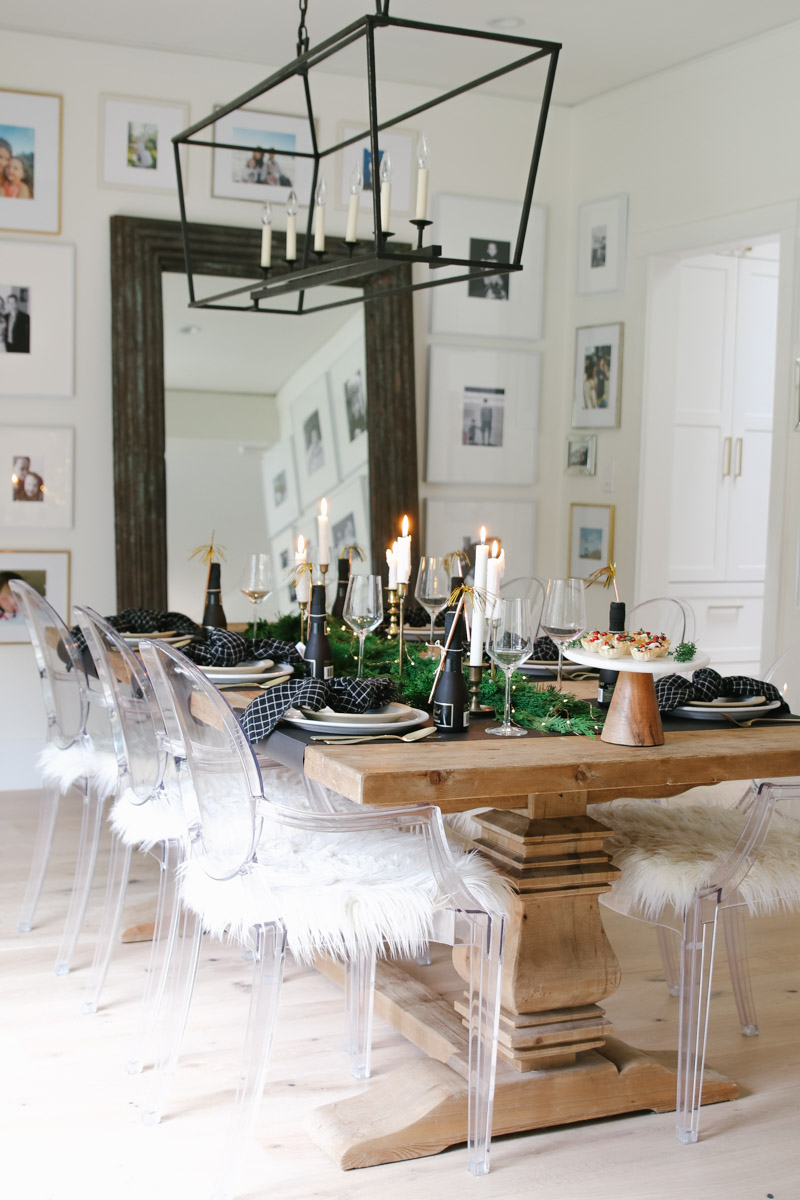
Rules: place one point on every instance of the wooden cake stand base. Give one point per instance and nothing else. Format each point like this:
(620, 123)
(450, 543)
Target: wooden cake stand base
(633, 718)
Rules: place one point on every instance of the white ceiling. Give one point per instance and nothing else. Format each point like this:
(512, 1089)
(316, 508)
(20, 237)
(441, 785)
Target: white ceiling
(607, 43)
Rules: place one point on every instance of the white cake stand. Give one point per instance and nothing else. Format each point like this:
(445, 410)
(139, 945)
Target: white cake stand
(633, 718)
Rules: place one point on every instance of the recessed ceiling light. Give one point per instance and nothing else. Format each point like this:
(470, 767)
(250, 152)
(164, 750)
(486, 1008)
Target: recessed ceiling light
(191, 329)
(505, 22)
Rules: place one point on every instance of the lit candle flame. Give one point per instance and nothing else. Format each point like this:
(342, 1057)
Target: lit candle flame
(301, 544)
(405, 526)
(483, 535)
(323, 507)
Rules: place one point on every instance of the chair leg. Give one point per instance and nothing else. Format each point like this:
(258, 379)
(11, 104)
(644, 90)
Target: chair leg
(165, 931)
(697, 961)
(668, 943)
(268, 963)
(359, 1002)
(48, 811)
(486, 958)
(91, 824)
(734, 927)
(119, 867)
(176, 1003)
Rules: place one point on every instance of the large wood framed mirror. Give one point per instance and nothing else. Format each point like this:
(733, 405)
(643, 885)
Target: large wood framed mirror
(142, 249)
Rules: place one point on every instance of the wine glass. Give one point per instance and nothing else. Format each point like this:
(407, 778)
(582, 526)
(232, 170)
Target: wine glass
(509, 643)
(564, 613)
(363, 609)
(256, 582)
(433, 586)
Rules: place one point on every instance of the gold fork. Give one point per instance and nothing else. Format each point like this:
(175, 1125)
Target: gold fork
(752, 721)
(343, 739)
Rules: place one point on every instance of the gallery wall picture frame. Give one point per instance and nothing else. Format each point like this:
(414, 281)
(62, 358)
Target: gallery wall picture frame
(455, 525)
(37, 290)
(508, 306)
(581, 455)
(598, 377)
(602, 243)
(283, 551)
(400, 145)
(279, 475)
(591, 538)
(348, 522)
(136, 142)
(30, 126)
(269, 169)
(347, 376)
(315, 449)
(483, 413)
(40, 462)
(48, 571)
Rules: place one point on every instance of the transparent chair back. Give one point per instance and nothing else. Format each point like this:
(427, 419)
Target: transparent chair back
(784, 674)
(60, 666)
(666, 615)
(526, 587)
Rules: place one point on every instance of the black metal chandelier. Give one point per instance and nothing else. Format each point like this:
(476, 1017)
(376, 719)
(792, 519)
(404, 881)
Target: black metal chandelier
(291, 265)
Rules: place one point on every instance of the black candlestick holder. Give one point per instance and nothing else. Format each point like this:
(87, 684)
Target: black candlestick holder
(428, 251)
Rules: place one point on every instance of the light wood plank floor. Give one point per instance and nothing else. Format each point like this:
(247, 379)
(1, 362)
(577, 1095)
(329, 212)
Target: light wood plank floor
(69, 1115)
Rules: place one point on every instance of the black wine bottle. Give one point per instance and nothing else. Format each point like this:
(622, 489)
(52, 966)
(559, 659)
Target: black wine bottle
(213, 613)
(451, 698)
(607, 679)
(337, 612)
(319, 660)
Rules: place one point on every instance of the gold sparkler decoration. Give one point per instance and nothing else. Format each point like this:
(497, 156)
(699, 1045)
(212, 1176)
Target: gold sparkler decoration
(605, 575)
(208, 553)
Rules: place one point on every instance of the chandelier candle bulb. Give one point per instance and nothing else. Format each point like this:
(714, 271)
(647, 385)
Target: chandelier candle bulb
(386, 191)
(423, 163)
(266, 235)
(322, 529)
(302, 585)
(478, 614)
(356, 187)
(404, 554)
(320, 200)
(291, 227)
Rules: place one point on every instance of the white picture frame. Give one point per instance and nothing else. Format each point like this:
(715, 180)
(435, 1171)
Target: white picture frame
(598, 377)
(233, 179)
(136, 143)
(42, 278)
(315, 444)
(347, 377)
(483, 412)
(455, 524)
(283, 550)
(508, 306)
(400, 144)
(41, 467)
(348, 518)
(581, 454)
(591, 538)
(279, 476)
(47, 571)
(30, 122)
(602, 244)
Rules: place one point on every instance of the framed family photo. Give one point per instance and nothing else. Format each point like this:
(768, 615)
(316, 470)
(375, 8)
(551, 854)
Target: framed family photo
(581, 455)
(598, 377)
(501, 305)
(136, 142)
(348, 385)
(456, 524)
(37, 291)
(591, 538)
(483, 410)
(399, 144)
(602, 239)
(317, 470)
(349, 518)
(279, 475)
(283, 548)
(39, 462)
(30, 162)
(264, 165)
(47, 571)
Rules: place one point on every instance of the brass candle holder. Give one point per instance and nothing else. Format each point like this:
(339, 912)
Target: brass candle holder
(475, 677)
(393, 630)
(402, 592)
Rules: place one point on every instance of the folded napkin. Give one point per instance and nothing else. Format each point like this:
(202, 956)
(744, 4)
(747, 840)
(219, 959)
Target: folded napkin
(707, 684)
(143, 620)
(544, 650)
(342, 694)
(223, 648)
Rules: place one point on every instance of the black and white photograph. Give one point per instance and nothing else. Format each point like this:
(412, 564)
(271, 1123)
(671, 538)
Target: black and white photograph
(581, 455)
(602, 242)
(598, 370)
(136, 142)
(30, 162)
(39, 465)
(142, 146)
(280, 488)
(490, 287)
(27, 480)
(343, 532)
(347, 375)
(599, 242)
(315, 450)
(47, 572)
(356, 406)
(279, 481)
(349, 519)
(591, 538)
(285, 565)
(482, 420)
(15, 320)
(315, 443)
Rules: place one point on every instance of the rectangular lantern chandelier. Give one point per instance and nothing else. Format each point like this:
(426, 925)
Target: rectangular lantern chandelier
(260, 151)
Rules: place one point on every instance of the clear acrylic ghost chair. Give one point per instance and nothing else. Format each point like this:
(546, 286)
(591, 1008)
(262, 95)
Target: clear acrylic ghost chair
(78, 751)
(667, 615)
(526, 587)
(143, 814)
(238, 877)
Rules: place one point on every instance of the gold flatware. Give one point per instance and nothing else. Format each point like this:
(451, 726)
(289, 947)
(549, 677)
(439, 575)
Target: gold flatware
(752, 721)
(342, 739)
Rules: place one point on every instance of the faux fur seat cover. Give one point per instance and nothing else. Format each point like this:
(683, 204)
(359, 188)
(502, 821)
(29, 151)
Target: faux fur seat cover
(665, 854)
(65, 767)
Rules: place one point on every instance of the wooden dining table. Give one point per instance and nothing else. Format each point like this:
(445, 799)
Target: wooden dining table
(558, 1061)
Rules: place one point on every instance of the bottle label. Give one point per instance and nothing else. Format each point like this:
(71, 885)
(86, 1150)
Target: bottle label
(327, 672)
(466, 718)
(443, 714)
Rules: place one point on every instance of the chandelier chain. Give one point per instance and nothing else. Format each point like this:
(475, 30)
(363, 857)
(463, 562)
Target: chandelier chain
(302, 32)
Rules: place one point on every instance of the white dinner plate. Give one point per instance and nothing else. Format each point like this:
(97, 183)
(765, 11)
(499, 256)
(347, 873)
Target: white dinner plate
(169, 639)
(729, 702)
(167, 633)
(252, 677)
(417, 716)
(716, 712)
(255, 666)
(376, 716)
(540, 667)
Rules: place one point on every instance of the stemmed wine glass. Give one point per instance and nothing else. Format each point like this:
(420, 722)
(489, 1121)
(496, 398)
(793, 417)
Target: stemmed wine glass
(433, 586)
(256, 582)
(509, 643)
(564, 613)
(363, 609)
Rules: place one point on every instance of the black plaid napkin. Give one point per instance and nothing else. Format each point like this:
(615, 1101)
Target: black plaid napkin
(341, 694)
(544, 650)
(707, 684)
(223, 648)
(143, 620)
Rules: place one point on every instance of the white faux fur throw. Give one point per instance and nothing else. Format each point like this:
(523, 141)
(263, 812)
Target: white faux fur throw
(665, 854)
(65, 767)
(144, 825)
